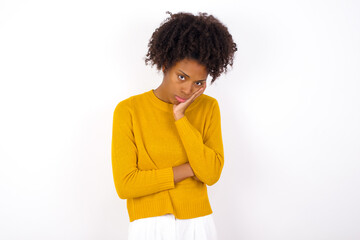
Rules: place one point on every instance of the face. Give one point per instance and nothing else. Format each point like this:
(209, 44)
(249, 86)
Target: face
(182, 80)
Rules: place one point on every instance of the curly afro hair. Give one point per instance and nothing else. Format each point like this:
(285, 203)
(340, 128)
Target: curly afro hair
(184, 35)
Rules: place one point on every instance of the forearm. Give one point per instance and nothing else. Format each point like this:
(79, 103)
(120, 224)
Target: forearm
(139, 183)
(182, 172)
(204, 150)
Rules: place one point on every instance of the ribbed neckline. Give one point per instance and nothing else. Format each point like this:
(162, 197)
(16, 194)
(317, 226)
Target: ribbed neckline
(168, 107)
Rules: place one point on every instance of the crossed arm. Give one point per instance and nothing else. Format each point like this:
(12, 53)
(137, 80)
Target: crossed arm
(205, 156)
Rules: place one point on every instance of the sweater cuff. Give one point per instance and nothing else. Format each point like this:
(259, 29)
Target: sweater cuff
(166, 178)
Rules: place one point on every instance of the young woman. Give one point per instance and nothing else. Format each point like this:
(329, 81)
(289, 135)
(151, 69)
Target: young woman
(167, 143)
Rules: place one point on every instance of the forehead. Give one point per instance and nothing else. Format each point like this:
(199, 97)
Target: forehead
(191, 67)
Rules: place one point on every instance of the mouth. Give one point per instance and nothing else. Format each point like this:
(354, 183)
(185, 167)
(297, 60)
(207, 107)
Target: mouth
(180, 99)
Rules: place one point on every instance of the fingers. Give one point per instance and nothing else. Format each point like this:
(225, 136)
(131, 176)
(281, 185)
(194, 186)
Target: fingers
(194, 96)
(196, 178)
(198, 93)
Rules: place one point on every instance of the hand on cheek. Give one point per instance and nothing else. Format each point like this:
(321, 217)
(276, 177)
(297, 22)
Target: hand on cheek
(179, 109)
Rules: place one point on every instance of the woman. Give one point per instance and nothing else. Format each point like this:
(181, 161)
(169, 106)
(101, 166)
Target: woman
(167, 143)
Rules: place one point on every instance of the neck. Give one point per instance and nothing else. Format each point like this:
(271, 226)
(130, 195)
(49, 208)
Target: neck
(161, 94)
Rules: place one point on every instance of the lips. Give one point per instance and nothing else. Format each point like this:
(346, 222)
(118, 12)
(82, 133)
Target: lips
(180, 99)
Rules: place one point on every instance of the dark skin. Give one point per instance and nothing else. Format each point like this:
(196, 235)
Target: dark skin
(186, 79)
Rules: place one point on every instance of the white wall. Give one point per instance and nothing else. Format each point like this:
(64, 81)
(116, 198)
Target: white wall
(290, 116)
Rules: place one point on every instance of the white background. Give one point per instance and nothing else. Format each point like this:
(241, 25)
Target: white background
(290, 110)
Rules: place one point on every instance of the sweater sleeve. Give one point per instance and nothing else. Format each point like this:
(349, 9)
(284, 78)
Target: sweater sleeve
(130, 182)
(206, 156)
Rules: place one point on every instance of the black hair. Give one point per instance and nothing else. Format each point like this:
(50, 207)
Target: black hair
(184, 35)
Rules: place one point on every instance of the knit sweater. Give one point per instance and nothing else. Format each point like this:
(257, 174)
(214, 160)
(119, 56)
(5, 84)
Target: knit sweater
(147, 142)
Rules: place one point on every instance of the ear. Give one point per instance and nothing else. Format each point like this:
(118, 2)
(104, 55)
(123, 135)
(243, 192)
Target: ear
(163, 67)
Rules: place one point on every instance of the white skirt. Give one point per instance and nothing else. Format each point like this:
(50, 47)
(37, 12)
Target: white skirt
(169, 228)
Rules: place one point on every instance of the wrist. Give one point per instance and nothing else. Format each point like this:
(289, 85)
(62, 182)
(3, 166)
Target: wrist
(182, 172)
(178, 115)
(190, 170)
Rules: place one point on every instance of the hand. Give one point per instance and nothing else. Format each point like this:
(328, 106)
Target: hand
(196, 178)
(192, 172)
(179, 109)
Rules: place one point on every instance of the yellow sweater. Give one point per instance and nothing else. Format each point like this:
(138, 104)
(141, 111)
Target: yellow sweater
(147, 142)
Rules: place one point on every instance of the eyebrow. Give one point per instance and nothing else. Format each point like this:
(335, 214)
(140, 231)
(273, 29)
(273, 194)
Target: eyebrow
(189, 76)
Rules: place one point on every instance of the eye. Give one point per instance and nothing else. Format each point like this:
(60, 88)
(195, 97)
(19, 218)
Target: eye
(181, 77)
(200, 83)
